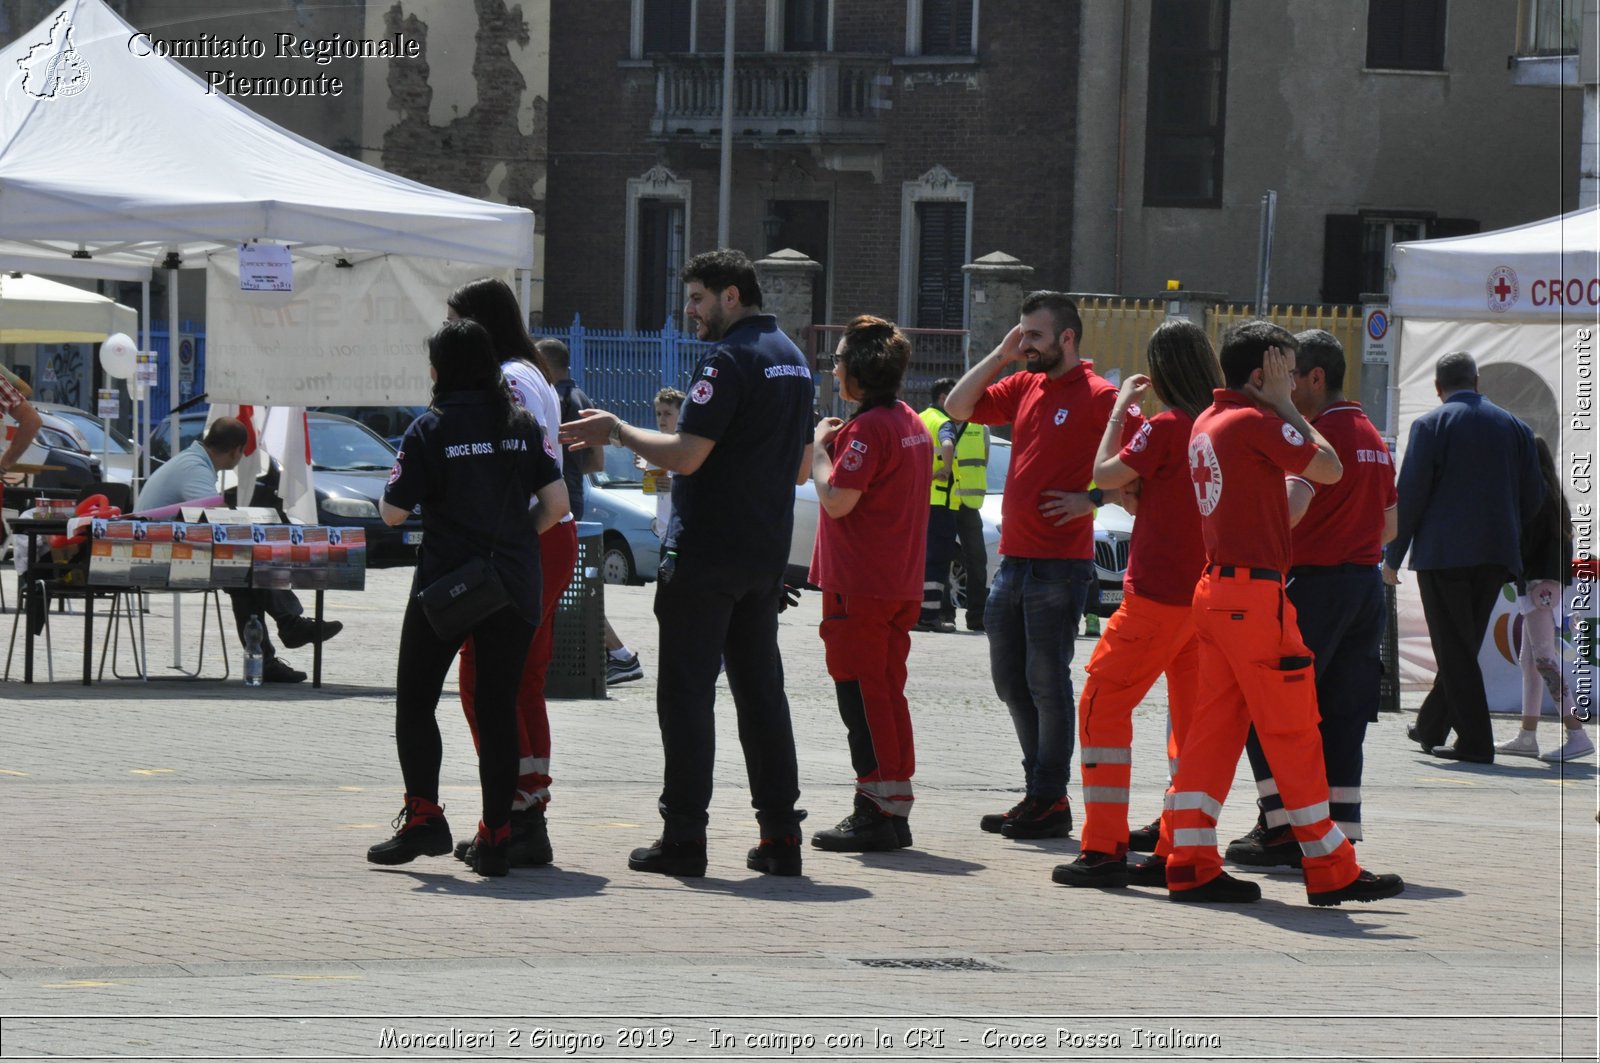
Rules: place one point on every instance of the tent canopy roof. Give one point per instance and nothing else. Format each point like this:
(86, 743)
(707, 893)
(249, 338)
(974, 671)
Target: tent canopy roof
(116, 152)
(35, 310)
(1540, 271)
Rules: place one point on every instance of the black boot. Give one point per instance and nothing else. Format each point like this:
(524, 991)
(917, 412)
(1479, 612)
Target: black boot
(420, 830)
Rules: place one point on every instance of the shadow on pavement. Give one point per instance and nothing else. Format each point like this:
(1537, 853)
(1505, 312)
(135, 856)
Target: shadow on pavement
(1301, 918)
(192, 690)
(916, 862)
(523, 884)
(778, 888)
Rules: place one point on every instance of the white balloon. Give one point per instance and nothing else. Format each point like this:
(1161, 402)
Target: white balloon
(117, 355)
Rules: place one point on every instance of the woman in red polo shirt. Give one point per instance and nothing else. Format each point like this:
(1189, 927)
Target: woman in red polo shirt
(872, 475)
(1152, 631)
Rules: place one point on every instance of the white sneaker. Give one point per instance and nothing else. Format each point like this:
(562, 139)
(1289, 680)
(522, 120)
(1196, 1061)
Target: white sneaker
(1577, 745)
(1525, 744)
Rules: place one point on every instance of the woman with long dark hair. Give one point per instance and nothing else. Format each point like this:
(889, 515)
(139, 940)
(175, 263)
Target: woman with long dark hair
(1546, 571)
(490, 302)
(485, 478)
(872, 474)
(1152, 631)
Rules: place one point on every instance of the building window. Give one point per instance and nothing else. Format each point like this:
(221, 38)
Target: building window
(662, 26)
(947, 27)
(1185, 121)
(655, 242)
(1358, 249)
(1548, 27)
(802, 225)
(666, 26)
(805, 25)
(1405, 34)
(935, 242)
(941, 252)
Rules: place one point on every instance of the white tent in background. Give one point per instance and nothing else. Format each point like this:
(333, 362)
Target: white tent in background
(91, 138)
(1525, 303)
(35, 310)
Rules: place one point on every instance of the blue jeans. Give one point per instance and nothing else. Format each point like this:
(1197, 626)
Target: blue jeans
(1032, 621)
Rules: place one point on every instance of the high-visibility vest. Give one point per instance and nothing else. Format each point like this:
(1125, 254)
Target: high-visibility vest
(972, 463)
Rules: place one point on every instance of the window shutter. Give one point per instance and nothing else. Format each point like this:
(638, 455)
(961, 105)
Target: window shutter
(666, 26)
(941, 249)
(947, 27)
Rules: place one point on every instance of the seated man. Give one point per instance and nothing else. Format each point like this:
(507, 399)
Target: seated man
(192, 475)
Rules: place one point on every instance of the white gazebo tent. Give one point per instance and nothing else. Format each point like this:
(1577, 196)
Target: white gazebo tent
(1525, 303)
(35, 310)
(104, 152)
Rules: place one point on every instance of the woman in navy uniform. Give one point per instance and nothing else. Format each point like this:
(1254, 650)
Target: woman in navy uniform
(472, 461)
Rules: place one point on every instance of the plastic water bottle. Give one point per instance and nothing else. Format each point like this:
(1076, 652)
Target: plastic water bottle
(254, 637)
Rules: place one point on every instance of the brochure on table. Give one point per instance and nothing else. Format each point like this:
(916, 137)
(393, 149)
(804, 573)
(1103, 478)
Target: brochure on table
(229, 548)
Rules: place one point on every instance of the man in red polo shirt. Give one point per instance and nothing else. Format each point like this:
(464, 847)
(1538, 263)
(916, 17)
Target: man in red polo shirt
(1058, 409)
(1254, 667)
(1337, 590)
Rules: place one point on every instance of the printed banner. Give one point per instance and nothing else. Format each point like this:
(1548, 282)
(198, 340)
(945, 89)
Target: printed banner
(345, 336)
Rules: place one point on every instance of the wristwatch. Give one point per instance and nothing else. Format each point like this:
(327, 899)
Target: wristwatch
(1096, 496)
(615, 438)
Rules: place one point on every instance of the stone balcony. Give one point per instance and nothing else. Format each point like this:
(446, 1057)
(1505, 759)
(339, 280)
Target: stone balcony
(804, 98)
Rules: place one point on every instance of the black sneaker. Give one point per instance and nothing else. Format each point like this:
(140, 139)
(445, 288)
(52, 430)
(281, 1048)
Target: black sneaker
(1266, 847)
(1366, 887)
(1151, 872)
(902, 830)
(623, 669)
(679, 859)
(1145, 838)
(304, 631)
(278, 670)
(776, 856)
(530, 839)
(1040, 820)
(1101, 870)
(1224, 889)
(866, 830)
(995, 820)
(420, 830)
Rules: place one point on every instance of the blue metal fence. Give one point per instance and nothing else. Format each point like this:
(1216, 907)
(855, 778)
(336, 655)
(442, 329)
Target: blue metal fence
(622, 371)
(161, 342)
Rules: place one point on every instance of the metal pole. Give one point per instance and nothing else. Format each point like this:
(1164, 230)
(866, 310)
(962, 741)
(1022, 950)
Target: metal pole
(172, 445)
(725, 193)
(1269, 211)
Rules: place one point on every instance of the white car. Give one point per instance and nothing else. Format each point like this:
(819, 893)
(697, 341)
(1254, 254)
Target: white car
(1113, 528)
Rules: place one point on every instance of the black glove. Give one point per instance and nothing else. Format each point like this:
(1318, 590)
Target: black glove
(789, 597)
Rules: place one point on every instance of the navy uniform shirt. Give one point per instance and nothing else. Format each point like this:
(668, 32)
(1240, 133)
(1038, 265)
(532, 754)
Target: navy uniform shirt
(751, 396)
(573, 401)
(474, 485)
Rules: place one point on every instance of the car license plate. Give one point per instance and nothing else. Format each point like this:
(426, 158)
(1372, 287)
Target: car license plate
(415, 538)
(1110, 597)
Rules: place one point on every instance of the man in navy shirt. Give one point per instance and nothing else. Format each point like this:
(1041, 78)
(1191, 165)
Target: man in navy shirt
(740, 447)
(1469, 480)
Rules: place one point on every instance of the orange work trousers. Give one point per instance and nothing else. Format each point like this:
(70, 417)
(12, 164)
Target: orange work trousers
(558, 554)
(1254, 669)
(1143, 639)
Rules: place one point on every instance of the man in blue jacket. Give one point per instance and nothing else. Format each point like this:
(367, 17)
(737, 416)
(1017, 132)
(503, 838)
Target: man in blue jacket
(1469, 480)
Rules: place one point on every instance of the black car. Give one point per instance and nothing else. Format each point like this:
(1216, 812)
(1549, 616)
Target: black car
(351, 466)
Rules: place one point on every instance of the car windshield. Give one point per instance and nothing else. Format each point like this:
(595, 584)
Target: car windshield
(620, 470)
(190, 428)
(344, 446)
(94, 432)
(999, 466)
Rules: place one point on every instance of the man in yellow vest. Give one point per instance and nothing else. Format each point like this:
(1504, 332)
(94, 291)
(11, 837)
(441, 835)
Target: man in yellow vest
(960, 480)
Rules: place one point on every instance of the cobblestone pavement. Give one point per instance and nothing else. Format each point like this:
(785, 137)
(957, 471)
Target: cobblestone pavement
(186, 879)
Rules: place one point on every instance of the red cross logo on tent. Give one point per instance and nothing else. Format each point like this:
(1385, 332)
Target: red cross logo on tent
(1503, 289)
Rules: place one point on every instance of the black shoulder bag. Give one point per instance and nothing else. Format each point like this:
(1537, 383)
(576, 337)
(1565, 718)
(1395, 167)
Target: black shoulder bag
(459, 600)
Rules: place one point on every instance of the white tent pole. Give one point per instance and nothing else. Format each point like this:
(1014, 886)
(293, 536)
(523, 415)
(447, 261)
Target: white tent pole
(140, 432)
(172, 446)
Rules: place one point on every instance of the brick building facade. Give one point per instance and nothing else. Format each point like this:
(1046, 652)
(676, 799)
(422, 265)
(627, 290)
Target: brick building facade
(891, 140)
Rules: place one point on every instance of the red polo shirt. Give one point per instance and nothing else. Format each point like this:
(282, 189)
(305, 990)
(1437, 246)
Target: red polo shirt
(1238, 453)
(1056, 429)
(876, 549)
(1344, 525)
(1167, 553)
